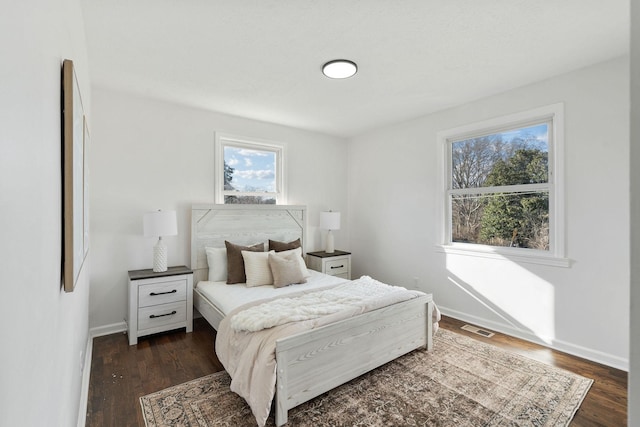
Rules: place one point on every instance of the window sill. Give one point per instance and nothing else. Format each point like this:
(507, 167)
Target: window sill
(509, 254)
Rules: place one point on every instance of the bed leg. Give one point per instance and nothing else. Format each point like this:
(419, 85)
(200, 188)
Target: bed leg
(281, 387)
(281, 416)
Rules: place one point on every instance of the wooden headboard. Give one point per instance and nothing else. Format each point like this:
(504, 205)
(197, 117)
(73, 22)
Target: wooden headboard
(245, 225)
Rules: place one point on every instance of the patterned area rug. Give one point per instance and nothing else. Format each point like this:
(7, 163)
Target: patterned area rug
(462, 382)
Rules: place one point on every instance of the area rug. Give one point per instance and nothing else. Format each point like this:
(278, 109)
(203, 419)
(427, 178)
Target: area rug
(462, 382)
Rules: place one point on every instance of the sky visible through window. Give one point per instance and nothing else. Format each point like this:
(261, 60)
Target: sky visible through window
(254, 170)
(536, 136)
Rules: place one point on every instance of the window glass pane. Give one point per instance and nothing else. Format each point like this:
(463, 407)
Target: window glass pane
(249, 170)
(502, 219)
(510, 157)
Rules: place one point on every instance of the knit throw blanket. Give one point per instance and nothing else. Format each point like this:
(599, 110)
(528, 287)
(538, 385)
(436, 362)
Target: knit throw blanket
(312, 305)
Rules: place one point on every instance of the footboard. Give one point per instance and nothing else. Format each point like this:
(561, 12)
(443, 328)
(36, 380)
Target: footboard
(316, 361)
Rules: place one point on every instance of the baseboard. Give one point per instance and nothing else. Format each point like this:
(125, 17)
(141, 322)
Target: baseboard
(84, 388)
(114, 328)
(563, 346)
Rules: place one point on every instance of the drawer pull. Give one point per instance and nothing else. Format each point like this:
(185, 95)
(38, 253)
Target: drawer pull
(336, 266)
(155, 316)
(153, 294)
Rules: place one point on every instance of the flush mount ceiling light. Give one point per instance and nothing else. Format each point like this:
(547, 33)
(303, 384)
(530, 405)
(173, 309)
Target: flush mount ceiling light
(339, 69)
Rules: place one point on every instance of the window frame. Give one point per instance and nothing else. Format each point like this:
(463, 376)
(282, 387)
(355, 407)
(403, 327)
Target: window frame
(223, 140)
(554, 116)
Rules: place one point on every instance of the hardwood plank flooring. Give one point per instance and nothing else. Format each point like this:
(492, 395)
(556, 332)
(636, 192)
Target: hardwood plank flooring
(120, 373)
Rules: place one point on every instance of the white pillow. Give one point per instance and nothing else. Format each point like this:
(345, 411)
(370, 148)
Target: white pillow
(256, 268)
(217, 261)
(297, 251)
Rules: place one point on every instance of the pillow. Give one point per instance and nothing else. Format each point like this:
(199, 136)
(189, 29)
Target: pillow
(281, 246)
(235, 262)
(286, 269)
(256, 267)
(298, 252)
(217, 261)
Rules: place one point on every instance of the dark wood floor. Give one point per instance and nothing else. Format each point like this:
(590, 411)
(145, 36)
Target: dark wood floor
(120, 373)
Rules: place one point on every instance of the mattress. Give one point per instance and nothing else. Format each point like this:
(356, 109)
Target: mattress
(229, 297)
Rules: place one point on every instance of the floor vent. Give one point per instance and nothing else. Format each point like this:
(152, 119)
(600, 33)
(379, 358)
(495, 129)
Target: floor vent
(478, 331)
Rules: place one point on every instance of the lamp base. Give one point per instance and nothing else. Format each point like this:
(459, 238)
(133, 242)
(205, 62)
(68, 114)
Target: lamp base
(160, 257)
(329, 248)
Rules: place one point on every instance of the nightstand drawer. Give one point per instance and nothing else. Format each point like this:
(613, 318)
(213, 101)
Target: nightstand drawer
(162, 293)
(337, 266)
(337, 263)
(160, 315)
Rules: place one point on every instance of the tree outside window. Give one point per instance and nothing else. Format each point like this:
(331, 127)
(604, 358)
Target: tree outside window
(499, 188)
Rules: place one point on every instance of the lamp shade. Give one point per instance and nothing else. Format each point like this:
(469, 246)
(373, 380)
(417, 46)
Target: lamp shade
(160, 223)
(330, 220)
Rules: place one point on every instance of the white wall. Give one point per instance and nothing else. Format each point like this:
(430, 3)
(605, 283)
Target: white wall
(394, 228)
(44, 330)
(149, 155)
(634, 371)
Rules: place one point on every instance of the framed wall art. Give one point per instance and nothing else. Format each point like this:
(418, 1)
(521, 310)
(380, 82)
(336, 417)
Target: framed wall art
(75, 200)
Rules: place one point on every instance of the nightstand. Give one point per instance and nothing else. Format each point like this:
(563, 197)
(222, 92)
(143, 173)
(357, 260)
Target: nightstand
(159, 302)
(337, 263)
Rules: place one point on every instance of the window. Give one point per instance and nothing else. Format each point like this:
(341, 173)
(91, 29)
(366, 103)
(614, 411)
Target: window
(502, 183)
(248, 171)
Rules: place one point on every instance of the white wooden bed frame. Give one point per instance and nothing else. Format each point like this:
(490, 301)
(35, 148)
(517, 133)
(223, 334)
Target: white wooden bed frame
(315, 361)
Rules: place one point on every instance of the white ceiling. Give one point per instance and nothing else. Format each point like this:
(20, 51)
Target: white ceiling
(262, 59)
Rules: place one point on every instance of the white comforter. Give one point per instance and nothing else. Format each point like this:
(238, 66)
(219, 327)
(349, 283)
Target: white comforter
(249, 357)
(311, 305)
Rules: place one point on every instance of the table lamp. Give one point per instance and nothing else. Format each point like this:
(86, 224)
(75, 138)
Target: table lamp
(160, 223)
(329, 221)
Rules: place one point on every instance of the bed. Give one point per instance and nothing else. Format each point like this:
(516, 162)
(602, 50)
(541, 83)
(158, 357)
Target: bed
(310, 362)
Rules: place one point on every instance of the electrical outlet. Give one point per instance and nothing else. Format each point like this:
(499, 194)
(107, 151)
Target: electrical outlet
(416, 282)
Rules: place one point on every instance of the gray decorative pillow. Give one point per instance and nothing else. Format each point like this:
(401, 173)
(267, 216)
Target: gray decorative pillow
(274, 245)
(235, 262)
(298, 252)
(286, 270)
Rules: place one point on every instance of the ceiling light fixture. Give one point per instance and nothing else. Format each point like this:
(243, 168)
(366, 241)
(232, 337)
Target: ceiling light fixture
(339, 69)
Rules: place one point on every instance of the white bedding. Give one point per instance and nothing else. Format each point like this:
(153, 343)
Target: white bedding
(311, 305)
(229, 297)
